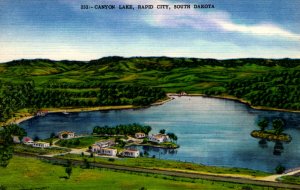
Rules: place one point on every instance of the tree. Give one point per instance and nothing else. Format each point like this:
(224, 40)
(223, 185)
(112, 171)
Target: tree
(162, 131)
(280, 169)
(86, 163)
(6, 142)
(68, 171)
(36, 138)
(172, 136)
(52, 135)
(263, 124)
(278, 125)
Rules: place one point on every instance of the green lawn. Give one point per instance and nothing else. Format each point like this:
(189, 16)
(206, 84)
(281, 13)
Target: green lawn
(170, 164)
(39, 151)
(81, 142)
(30, 173)
(290, 179)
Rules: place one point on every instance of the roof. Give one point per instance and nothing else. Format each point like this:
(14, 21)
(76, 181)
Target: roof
(140, 133)
(127, 150)
(65, 132)
(39, 142)
(108, 149)
(26, 139)
(160, 135)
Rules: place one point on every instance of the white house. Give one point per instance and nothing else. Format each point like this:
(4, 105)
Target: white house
(108, 151)
(27, 141)
(104, 144)
(131, 153)
(41, 144)
(41, 113)
(159, 138)
(66, 135)
(95, 148)
(140, 135)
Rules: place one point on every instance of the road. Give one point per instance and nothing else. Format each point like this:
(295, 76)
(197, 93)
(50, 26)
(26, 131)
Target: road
(173, 173)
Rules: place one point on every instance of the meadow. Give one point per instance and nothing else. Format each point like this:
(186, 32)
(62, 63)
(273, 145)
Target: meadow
(31, 173)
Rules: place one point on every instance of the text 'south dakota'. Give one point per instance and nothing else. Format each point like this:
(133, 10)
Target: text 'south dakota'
(149, 6)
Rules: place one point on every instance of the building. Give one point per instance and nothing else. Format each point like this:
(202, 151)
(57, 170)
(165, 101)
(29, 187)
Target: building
(131, 153)
(66, 135)
(104, 144)
(107, 151)
(41, 144)
(159, 138)
(27, 141)
(140, 135)
(41, 113)
(16, 140)
(182, 93)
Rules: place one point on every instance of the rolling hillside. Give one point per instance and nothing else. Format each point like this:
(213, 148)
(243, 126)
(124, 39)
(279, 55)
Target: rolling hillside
(262, 82)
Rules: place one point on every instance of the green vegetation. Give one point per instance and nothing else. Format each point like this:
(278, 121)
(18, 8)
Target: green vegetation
(20, 148)
(30, 173)
(263, 124)
(26, 95)
(278, 126)
(273, 134)
(81, 142)
(6, 142)
(129, 129)
(280, 169)
(34, 84)
(290, 179)
(145, 162)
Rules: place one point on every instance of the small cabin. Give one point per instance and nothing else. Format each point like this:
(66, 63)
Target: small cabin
(159, 138)
(66, 135)
(27, 141)
(41, 144)
(131, 153)
(140, 135)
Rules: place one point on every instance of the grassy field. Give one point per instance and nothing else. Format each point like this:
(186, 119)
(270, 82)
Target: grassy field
(290, 179)
(30, 173)
(39, 151)
(162, 72)
(170, 164)
(81, 142)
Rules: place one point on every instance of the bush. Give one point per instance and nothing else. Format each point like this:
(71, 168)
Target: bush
(111, 159)
(280, 169)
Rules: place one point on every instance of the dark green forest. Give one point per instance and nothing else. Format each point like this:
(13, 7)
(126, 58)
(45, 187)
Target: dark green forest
(26, 95)
(129, 129)
(36, 84)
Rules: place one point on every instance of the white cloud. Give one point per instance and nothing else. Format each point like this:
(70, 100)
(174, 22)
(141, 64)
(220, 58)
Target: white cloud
(214, 20)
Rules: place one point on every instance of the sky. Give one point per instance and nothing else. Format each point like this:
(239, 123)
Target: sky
(60, 29)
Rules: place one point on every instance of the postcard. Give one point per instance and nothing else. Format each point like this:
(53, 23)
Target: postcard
(149, 94)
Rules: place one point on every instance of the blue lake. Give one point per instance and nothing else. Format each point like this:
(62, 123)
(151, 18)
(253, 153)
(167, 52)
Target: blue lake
(210, 131)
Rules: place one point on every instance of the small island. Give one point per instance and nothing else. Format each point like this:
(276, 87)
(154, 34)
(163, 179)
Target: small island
(275, 134)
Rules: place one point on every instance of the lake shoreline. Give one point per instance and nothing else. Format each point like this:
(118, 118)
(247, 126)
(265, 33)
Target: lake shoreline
(240, 100)
(158, 103)
(71, 110)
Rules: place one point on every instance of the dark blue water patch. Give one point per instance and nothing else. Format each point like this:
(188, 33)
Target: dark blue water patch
(210, 131)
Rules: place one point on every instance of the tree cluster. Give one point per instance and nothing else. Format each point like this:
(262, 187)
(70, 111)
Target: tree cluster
(26, 95)
(129, 129)
(278, 90)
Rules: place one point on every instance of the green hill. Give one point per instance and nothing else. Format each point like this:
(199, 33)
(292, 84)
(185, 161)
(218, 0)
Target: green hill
(262, 82)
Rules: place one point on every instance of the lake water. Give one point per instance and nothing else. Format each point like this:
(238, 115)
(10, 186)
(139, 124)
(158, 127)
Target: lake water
(210, 131)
